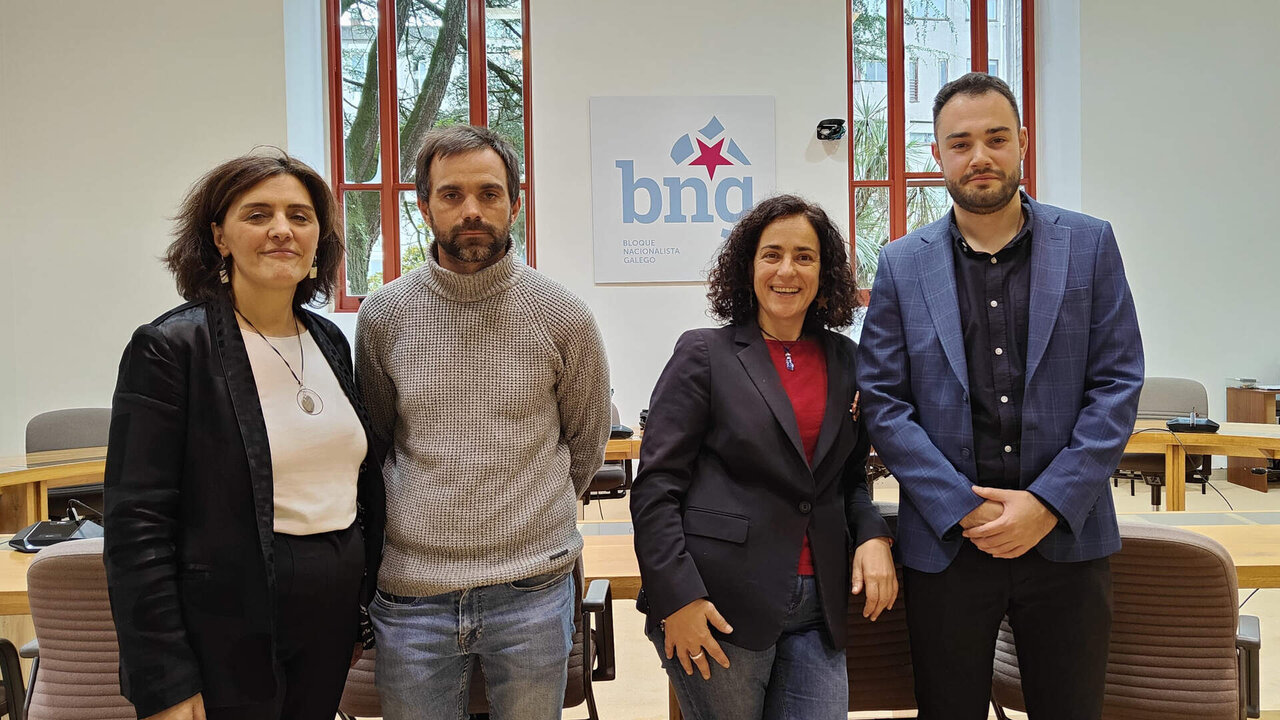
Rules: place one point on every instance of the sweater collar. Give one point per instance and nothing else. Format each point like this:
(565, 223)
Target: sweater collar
(475, 286)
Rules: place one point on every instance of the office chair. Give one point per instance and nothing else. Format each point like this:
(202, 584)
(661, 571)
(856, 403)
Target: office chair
(613, 480)
(1180, 650)
(12, 691)
(879, 653)
(1163, 398)
(76, 673)
(591, 659)
(65, 430)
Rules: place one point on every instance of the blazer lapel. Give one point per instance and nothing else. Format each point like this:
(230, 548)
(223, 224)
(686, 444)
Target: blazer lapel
(754, 356)
(938, 283)
(837, 411)
(1050, 255)
(253, 428)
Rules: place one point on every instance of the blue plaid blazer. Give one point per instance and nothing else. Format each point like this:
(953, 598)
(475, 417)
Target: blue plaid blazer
(1083, 376)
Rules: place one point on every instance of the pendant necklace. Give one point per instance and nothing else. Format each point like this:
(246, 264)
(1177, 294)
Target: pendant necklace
(786, 349)
(308, 400)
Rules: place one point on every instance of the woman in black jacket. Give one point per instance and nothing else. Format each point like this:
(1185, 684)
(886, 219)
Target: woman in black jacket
(244, 497)
(752, 492)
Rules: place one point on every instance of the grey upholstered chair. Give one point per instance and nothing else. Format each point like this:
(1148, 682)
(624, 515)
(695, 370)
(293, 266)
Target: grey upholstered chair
(64, 430)
(1163, 398)
(76, 676)
(1180, 650)
(591, 659)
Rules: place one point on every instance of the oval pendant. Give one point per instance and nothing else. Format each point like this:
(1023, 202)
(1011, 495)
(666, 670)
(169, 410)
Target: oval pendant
(309, 401)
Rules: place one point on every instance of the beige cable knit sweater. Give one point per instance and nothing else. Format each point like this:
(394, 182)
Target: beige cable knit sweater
(494, 391)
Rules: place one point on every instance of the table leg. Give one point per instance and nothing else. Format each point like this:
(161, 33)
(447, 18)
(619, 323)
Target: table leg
(1175, 478)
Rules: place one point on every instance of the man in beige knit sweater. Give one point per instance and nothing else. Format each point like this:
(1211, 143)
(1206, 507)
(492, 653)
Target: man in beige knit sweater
(490, 381)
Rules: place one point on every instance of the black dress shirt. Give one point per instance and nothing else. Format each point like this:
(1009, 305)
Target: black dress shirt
(994, 293)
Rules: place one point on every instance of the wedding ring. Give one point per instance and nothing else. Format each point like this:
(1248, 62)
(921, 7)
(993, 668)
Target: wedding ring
(695, 657)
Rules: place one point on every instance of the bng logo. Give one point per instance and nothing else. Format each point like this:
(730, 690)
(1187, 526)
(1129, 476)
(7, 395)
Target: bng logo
(709, 148)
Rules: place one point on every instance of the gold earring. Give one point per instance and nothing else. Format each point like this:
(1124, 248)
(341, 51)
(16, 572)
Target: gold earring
(223, 275)
(315, 269)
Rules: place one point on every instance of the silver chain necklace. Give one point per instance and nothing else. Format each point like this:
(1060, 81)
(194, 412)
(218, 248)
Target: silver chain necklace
(308, 400)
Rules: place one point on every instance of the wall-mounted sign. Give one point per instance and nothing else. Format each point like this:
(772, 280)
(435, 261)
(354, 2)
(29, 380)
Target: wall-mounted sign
(670, 176)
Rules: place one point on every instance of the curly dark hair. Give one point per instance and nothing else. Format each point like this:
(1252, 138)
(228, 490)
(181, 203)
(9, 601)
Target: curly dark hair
(732, 293)
(193, 258)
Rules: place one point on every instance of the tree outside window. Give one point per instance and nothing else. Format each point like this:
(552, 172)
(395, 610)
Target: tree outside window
(454, 61)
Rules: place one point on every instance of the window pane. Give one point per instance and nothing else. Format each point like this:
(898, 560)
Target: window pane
(431, 72)
(936, 35)
(360, 117)
(364, 241)
(504, 47)
(926, 204)
(870, 116)
(1004, 44)
(415, 236)
(518, 244)
(871, 229)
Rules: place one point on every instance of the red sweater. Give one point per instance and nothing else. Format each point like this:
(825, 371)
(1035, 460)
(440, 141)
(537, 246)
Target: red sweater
(806, 387)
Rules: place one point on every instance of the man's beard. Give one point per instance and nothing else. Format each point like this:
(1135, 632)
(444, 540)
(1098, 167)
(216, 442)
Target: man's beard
(474, 249)
(984, 202)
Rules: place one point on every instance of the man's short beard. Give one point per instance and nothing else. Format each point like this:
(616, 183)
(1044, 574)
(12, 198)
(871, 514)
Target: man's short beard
(499, 243)
(984, 202)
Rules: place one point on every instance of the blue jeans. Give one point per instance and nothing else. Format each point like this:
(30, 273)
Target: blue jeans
(801, 677)
(520, 632)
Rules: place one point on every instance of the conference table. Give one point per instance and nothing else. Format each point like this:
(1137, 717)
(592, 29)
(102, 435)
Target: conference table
(1234, 439)
(25, 481)
(1251, 538)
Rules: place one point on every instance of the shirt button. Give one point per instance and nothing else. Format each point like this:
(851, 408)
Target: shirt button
(1004, 398)
(964, 452)
(994, 303)
(805, 506)
(999, 351)
(993, 261)
(1008, 448)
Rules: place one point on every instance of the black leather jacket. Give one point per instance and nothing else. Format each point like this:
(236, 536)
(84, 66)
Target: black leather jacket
(190, 509)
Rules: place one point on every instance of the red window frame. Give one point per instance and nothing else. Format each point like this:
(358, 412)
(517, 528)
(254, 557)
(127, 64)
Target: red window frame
(388, 117)
(897, 113)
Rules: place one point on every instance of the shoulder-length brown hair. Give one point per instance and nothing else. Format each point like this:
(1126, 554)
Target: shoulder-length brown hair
(732, 292)
(195, 260)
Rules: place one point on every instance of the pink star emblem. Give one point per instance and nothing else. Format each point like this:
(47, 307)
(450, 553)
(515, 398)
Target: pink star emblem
(711, 157)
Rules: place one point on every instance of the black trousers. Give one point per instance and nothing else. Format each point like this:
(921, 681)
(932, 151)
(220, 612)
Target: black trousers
(1061, 619)
(318, 581)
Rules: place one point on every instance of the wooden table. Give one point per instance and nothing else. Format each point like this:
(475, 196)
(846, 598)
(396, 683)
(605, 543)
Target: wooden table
(1250, 405)
(623, 448)
(1254, 548)
(25, 481)
(1256, 440)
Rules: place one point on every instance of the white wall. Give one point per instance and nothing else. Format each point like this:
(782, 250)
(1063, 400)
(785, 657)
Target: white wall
(110, 111)
(795, 53)
(1179, 114)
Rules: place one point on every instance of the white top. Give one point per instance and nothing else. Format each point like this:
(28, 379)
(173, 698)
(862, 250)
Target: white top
(315, 459)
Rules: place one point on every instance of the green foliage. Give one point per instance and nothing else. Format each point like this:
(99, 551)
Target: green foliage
(432, 91)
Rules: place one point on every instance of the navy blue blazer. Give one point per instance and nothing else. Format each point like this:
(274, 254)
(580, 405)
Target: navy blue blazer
(1083, 376)
(724, 496)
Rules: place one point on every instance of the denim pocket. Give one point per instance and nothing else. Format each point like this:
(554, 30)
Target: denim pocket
(537, 582)
(395, 601)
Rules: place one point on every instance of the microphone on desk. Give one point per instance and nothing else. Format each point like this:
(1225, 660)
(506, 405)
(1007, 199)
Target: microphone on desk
(1192, 423)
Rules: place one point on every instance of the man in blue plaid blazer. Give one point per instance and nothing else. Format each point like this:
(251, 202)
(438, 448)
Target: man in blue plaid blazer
(999, 368)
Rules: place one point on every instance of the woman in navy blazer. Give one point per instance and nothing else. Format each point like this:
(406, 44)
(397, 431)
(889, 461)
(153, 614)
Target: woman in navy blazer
(752, 488)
